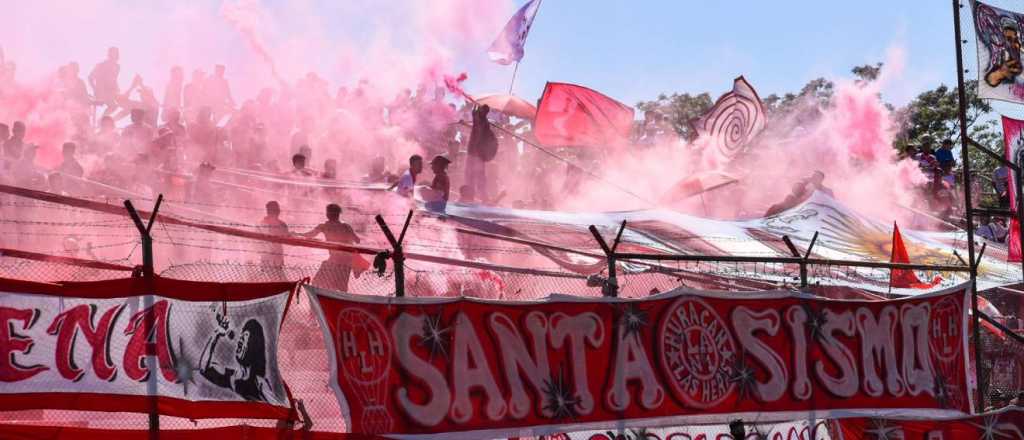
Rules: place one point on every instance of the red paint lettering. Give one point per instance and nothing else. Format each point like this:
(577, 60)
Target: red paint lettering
(136, 351)
(12, 343)
(79, 320)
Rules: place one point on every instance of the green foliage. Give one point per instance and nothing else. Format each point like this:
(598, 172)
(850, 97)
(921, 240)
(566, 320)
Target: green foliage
(679, 109)
(934, 115)
(931, 117)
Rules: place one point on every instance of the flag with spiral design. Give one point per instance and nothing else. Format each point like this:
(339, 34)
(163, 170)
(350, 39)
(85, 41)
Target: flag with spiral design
(734, 121)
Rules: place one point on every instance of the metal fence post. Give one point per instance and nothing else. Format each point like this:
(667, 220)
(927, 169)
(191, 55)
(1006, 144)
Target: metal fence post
(611, 287)
(396, 251)
(148, 275)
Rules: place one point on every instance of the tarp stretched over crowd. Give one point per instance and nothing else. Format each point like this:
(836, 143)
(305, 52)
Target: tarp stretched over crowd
(466, 368)
(843, 235)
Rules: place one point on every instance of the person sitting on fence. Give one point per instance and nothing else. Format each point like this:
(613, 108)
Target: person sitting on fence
(335, 271)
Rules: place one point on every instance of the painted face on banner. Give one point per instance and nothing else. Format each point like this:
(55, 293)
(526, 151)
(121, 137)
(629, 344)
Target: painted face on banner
(242, 345)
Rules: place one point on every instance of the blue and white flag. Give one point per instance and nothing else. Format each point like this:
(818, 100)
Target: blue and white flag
(508, 47)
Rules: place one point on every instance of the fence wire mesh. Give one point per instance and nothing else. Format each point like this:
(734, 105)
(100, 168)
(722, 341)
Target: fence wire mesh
(513, 271)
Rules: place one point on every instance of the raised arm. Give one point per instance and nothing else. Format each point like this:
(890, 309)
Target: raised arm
(313, 233)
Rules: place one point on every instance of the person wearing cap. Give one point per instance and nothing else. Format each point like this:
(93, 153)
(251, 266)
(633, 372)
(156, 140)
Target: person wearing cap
(436, 194)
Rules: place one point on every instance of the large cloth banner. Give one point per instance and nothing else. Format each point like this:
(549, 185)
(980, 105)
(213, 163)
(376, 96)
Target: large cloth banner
(88, 346)
(796, 430)
(485, 369)
(572, 115)
(1004, 424)
(998, 36)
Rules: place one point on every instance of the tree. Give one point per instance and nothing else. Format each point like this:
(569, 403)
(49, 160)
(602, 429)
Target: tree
(934, 116)
(680, 109)
(867, 72)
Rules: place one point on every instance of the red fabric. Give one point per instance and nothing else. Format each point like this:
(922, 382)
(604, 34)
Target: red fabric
(167, 406)
(493, 369)
(33, 432)
(1013, 254)
(905, 278)
(1006, 423)
(571, 115)
(166, 287)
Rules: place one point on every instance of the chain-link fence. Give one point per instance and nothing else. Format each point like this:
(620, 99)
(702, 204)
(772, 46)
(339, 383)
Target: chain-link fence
(490, 269)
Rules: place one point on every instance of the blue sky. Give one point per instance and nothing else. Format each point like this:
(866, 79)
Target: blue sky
(630, 50)
(635, 50)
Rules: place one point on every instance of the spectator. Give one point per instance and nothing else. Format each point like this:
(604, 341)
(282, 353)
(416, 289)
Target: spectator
(172, 121)
(25, 173)
(14, 145)
(406, 183)
(992, 229)
(330, 170)
(138, 134)
(70, 165)
(334, 273)
(436, 195)
(482, 148)
(173, 90)
(192, 94)
(103, 80)
(945, 155)
(1001, 185)
(299, 169)
(926, 159)
(218, 93)
(816, 183)
(272, 258)
(106, 137)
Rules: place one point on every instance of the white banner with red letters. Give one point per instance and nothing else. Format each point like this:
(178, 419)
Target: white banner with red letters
(468, 368)
(86, 346)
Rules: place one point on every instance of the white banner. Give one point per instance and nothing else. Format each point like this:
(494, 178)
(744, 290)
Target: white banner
(57, 350)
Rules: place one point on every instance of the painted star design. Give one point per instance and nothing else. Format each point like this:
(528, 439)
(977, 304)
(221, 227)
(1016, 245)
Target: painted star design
(434, 335)
(560, 400)
(743, 376)
(816, 321)
(184, 368)
(633, 319)
(991, 429)
(882, 430)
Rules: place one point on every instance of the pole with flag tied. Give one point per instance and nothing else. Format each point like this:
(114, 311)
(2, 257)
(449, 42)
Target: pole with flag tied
(507, 48)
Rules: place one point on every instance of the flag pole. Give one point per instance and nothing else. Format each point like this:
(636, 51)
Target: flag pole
(514, 71)
(965, 158)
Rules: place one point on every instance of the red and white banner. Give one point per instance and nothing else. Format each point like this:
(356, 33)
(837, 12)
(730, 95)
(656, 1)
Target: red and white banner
(86, 346)
(1004, 424)
(475, 368)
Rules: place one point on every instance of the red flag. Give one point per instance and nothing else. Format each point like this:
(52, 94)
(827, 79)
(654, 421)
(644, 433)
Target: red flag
(571, 115)
(905, 278)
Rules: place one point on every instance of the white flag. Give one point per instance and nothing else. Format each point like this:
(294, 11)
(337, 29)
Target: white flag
(508, 47)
